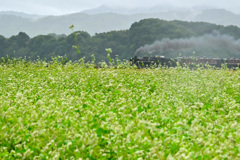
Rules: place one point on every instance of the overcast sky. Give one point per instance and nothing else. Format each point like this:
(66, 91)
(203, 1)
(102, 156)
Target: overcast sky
(58, 7)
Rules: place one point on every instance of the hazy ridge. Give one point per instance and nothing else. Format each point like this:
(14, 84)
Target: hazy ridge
(101, 20)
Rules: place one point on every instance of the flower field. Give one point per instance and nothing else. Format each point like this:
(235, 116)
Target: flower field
(74, 112)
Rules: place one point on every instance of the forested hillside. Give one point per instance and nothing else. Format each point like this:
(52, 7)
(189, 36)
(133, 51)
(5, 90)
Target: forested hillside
(123, 43)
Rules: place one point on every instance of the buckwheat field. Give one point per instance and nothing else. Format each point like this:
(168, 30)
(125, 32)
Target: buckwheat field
(72, 111)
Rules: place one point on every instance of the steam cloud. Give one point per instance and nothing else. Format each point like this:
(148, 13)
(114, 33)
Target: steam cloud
(215, 40)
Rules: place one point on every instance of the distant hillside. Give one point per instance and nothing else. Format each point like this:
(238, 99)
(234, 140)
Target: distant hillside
(144, 38)
(11, 23)
(20, 14)
(218, 16)
(123, 10)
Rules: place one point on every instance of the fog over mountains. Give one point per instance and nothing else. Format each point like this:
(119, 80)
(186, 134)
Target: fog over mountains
(104, 19)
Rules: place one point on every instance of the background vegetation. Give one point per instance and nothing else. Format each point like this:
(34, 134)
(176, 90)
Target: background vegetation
(123, 43)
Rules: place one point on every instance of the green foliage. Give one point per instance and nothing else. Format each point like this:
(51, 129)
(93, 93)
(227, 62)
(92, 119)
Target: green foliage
(54, 111)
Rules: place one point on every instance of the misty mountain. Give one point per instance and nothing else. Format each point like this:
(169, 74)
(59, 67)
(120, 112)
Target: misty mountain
(11, 23)
(124, 10)
(21, 14)
(218, 16)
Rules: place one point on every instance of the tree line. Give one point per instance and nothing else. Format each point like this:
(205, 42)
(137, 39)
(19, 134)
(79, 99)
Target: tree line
(123, 43)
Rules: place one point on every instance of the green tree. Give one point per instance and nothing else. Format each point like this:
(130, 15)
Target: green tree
(2, 46)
